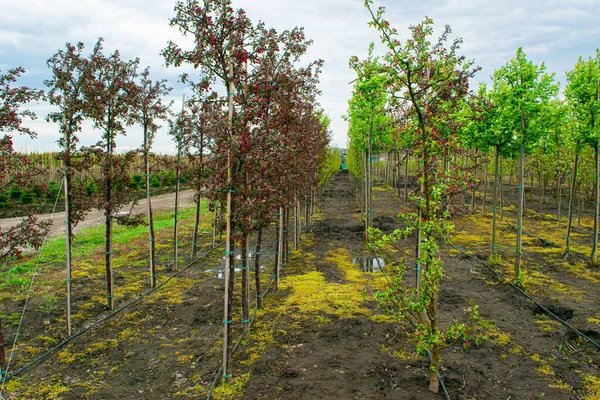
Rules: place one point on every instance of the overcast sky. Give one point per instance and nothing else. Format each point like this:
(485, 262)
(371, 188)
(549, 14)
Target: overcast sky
(553, 31)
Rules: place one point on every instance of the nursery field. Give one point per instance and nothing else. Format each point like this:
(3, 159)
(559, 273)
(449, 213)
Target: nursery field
(320, 334)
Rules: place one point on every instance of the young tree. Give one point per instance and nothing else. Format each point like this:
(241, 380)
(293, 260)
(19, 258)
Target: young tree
(148, 107)
(70, 73)
(428, 80)
(111, 93)
(16, 169)
(583, 95)
(522, 91)
(368, 121)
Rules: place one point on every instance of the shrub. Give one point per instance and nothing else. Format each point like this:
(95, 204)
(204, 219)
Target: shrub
(15, 193)
(137, 182)
(27, 198)
(154, 181)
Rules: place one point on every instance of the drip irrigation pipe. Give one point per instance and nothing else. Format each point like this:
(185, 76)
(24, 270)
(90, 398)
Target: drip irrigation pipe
(502, 278)
(108, 316)
(440, 378)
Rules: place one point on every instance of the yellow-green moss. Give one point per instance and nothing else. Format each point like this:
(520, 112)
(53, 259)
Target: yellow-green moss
(591, 385)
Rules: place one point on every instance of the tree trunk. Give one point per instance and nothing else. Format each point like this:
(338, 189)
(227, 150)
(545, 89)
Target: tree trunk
(495, 200)
(278, 247)
(436, 358)
(245, 283)
(259, 298)
(521, 200)
(229, 272)
(596, 207)
(195, 235)
(572, 201)
(501, 189)
(151, 234)
(485, 182)
(406, 177)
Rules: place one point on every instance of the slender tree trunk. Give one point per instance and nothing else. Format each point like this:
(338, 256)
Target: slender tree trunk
(230, 292)
(501, 189)
(229, 272)
(69, 222)
(151, 234)
(259, 298)
(572, 200)
(596, 207)
(195, 234)
(109, 228)
(245, 283)
(279, 246)
(406, 177)
(176, 213)
(485, 182)
(215, 220)
(521, 201)
(495, 201)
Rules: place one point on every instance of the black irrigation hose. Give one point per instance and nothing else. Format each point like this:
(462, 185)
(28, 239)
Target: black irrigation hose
(531, 298)
(440, 377)
(546, 241)
(111, 314)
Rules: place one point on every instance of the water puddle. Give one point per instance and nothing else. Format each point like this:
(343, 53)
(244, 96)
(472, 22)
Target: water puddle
(369, 263)
(220, 268)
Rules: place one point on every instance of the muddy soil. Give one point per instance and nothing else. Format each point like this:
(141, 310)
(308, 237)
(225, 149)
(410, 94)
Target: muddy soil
(350, 358)
(167, 347)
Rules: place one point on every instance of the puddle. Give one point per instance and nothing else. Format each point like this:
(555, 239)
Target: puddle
(218, 270)
(369, 263)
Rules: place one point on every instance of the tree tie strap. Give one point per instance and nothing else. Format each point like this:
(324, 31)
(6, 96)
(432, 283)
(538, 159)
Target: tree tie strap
(245, 267)
(227, 322)
(257, 252)
(229, 253)
(245, 321)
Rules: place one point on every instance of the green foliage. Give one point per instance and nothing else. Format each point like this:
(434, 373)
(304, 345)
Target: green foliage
(52, 190)
(154, 181)
(27, 198)
(330, 165)
(91, 187)
(4, 200)
(583, 95)
(521, 94)
(137, 182)
(15, 193)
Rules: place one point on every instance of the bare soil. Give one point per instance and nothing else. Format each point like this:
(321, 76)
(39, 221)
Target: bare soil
(168, 347)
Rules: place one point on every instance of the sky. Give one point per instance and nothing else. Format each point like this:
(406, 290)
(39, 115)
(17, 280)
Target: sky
(551, 31)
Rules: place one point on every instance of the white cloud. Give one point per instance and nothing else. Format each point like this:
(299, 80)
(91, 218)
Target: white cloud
(554, 31)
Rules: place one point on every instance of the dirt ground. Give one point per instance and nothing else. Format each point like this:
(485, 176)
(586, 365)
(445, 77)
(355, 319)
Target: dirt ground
(321, 335)
(527, 356)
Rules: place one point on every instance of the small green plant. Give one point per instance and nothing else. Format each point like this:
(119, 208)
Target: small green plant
(48, 304)
(495, 259)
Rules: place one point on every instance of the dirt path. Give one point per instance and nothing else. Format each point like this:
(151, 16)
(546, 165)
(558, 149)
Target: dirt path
(341, 357)
(96, 217)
